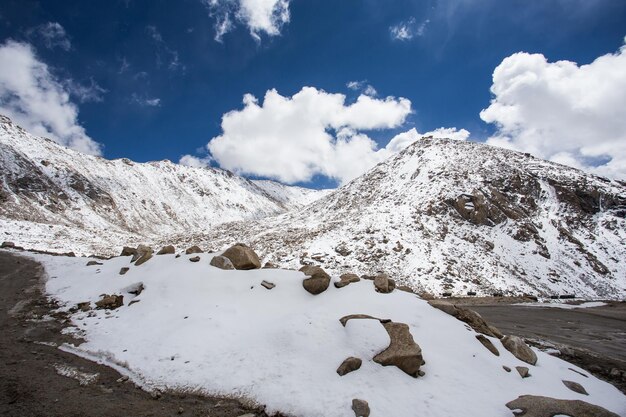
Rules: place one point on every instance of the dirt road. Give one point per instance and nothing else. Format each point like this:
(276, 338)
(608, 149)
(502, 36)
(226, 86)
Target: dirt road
(38, 379)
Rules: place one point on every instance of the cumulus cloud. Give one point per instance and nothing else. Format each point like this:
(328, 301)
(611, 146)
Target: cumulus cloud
(260, 16)
(194, 161)
(404, 139)
(33, 98)
(52, 34)
(407, 30)
(292, 139)
(562, 111)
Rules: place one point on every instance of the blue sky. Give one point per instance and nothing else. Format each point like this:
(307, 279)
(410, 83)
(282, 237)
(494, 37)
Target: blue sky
(155, 82)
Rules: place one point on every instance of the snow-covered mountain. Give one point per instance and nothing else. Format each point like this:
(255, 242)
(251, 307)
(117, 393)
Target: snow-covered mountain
(54, 198)
(457, 216)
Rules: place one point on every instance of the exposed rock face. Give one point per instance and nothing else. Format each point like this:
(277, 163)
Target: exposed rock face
(523, 371)
(487, 343)
(537, 406)
(348, 365)
(242, 257)
(128, 251)
(143, 255)
(318, 280)
(384, 284)
(167, 250)
(361, 408)
(576, 387)
(222, 262)
(194, 249)
(110, 302)
(519, 349)
(346, 279)
(472, 318)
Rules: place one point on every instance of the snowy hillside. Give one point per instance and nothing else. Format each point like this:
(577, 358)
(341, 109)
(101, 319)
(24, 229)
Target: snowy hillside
(191, 326)
(458, 216)
(54, 198)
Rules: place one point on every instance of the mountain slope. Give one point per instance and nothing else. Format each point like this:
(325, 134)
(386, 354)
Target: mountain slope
(459, 216)
(53, 198)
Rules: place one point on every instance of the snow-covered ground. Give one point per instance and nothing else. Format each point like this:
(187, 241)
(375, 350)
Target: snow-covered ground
(200, 328)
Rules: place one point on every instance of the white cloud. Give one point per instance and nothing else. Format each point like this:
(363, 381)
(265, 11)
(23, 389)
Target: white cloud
(53, 35)
(363, 87)
(260, 16)
(193, 161)
(33, 98)
(85, 93)
(145, 101)
(561, 111)
(311, 133)
(404, 139)
(405, 31)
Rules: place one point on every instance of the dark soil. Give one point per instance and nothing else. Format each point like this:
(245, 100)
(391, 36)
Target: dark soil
(30, 384)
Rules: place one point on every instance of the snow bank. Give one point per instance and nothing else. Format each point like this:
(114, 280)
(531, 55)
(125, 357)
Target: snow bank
(201, 328)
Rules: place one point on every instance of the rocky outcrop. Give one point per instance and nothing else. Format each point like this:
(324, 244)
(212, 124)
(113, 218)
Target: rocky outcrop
(242, 257)
(384, 284)
(222, 262)
(167, 250)
(472, 318)
(519, 349)
(318, 280)
(361, 408)
(537, 406)
(110, 302)
(487, 343)
(346, 279)
(349, 365)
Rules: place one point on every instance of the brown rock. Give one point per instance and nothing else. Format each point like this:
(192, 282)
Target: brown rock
(194, 259)
(242, 257)
(167, 250)
(128, 251)
(523, 371)
(222, 262)
(537, 406)
(267, 284)
(344, 320)
(384, 284)
(193, 250)
(519, 349)
(318, 280)
(92, 263)
(506, 368)
(124, 270)
(361, 408)
(406, 288)
(346, 279)
(348, 365)
(402, 352)
(472, 318)
(269, 265)
(7, 245)
(487, 343)
(143, 255)
(576, 387)
(426, 296)
(84, 306)
(110, 302)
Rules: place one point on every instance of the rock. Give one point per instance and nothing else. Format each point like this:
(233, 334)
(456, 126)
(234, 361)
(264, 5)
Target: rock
(192, 250)
(361, 408)
(344, 320)
(384, 284)
(402, 352)
(406, 288)
(195, 259)
(519, 349)
(269, 265)
(426, 296)
(84, 306)
(92, 263)
(222, 262)
(110, 302)
(472, 318)
(143, 255)
(318, 280)
(7, 245)
(348, 365)
(537, 406)
(346, 279)
(576, 387)
(487, 343)
(123, 378)
(128, 251)
(506, 368)
(523, 371)
(167, 250)
(242, 257)
(124, 270)
(268, 285)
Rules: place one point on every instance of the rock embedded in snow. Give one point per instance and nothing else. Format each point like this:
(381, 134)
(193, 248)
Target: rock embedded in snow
(523, 371)
(194, 259)
(384, 284)
(575, 386)
(506, 368)
(538, 406)
(269, 265)
(142, 255)
(222, 262)
(84, 306)
(242, 257)
(349, 365)
(193, 250)
(7, 245)
(110, 302)
(167, 250)
(128, 251)
(268, 285)
(519, 349)
(360, 407)
(124, 270)
(318, 280)
(346, 279)
(92, 263)
(487, 343)
(472, 318)
(402, 352)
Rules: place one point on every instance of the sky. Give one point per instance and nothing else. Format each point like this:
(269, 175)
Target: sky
(315, 92)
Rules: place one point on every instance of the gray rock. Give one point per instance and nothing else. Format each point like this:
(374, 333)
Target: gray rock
(167, 250)
(519, 349)
(7, 245)
(242, 257)
(361, 408)
(194, 259)
(537, 406)
(523, 371)
(576, 387)
(268, 285)
(222, 262)
(124, 270)
(384, 284)
(506, 368)
(92, 263)
(487, 343)
(346, 279)
(348, 365)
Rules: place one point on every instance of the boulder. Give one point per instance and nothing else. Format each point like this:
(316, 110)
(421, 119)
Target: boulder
(346, 279)
(361, 408)
(269, 265)
(523, 371)
(194, 259)
(318, 280)
(222, 262)
(124, 270)
(143, 255)
(538, 406)
(348, 365)
(242, 257)
(487, 343)
(110, 302)
(86, 306)
(267, 284)
(167, 250)
(402, 352)
(7, 245)
(519, 349)
(472, 318)
(92, 263)
(128, 251)
(576, 387)
(384, 284)
(193, 250)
